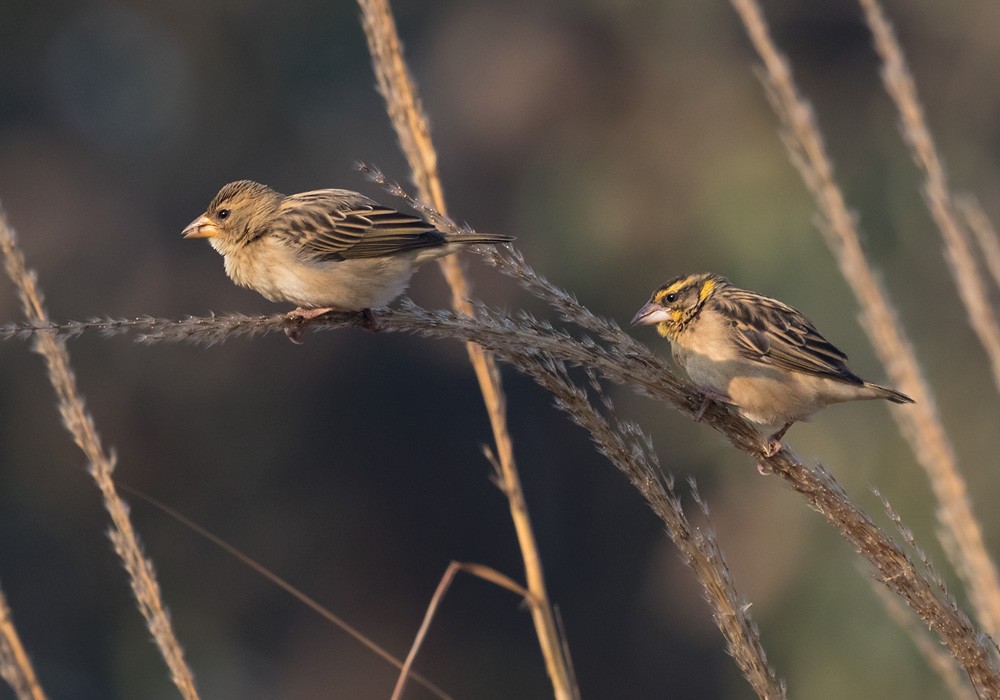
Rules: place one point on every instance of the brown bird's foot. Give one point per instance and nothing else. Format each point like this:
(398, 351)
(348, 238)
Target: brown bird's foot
(297, 321)
(369, 321)
(293, 329)
(708, 396)
(763, 468)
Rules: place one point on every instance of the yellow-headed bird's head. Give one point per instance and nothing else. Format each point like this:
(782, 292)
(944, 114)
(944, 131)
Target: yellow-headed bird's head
(677, 303)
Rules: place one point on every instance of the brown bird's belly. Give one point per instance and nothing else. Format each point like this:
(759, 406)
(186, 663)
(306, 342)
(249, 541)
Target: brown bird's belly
(349, 285)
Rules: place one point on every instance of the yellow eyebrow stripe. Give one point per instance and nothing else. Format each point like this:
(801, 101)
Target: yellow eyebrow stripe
(675, 287)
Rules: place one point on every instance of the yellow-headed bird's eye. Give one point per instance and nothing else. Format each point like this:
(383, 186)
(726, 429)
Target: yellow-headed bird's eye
(670, 298)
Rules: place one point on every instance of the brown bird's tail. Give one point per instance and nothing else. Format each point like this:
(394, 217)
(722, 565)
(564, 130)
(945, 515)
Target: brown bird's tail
(884, 392)
(454, 242)
(477, 238)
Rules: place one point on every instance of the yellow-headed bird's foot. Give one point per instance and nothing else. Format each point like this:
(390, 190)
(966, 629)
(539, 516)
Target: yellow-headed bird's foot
(708, 396)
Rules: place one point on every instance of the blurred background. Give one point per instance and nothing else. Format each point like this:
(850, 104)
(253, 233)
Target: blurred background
(623, 143)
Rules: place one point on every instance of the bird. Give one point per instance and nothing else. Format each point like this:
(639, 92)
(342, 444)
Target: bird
(322, 250)
(754, 353)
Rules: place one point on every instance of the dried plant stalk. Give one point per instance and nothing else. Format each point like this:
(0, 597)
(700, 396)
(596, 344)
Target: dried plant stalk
(15, 667)
(484, 572)
(101, 464)
(920, 423)
(287, 587)
(942, 663)
(631, 451)
(959, 254)
(413, 132)
(985, 234)
(936, 657)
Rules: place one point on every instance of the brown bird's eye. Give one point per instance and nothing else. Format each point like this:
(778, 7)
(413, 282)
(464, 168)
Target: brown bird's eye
(222, 214)
(671, 298)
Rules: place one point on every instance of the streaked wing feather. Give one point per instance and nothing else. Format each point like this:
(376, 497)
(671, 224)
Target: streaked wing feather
(774, 333)
(340, 225)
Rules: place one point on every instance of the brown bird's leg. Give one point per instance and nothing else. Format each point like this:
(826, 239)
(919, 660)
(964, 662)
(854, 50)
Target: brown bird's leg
(369, 321)
(299, 319)
(707, 397)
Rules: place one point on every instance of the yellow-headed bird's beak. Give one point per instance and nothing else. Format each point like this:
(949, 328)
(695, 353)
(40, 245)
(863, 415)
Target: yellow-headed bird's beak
(650, 314)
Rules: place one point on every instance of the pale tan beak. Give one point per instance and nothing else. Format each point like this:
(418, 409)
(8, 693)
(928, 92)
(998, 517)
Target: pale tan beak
(202, 227)
(649, 314)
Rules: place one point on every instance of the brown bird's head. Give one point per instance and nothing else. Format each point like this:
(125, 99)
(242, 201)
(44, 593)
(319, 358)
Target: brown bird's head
(238, 214)
(678, 302)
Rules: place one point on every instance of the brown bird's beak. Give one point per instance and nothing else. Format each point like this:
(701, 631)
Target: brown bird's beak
(202, 227)
(650, 314)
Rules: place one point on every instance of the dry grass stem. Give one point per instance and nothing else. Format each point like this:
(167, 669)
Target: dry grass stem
(413, 132)
(942, 663)
(483, 572)
(101, 464)
(936, 657)
(15, 667)
(985, 234)
(284, 585)
(533, 346)
(920, 423)
(959, 254)
(970, 558)
(631, 451)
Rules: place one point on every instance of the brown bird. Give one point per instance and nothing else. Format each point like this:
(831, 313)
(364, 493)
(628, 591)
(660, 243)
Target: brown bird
(323, 250)
(754, 353)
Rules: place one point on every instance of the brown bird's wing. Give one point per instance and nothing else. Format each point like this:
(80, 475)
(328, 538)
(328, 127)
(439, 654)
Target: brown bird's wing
(776, 334)
(339, 225)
